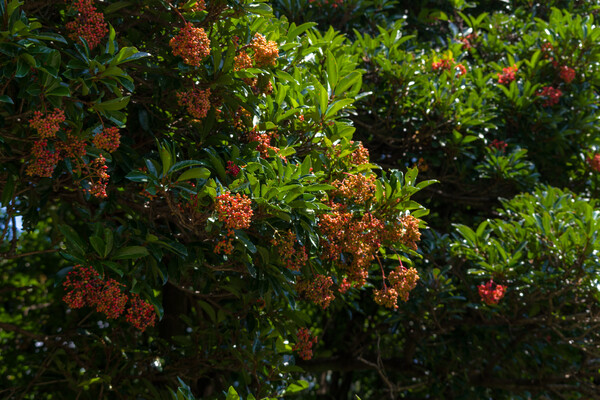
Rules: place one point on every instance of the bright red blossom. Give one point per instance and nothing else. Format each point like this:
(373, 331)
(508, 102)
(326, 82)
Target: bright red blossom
(594, 162)
(491, 293)
(304, 344)
(551, 94)
(108, 139)
(89, 24)
(567, 74)
(508, 75)
(47, 125)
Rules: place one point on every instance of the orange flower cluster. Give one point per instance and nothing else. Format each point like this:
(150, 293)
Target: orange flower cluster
(89, 24)
(264, 141)
(109, 139)
(242, 61)
(294, 257)
(86, 288)
(265, 52)
(304, 344)
(491, 293)
(318, 290)
(551, 94)
(402, 281)
(445, 64)
(508, 75)
(73, 147)
(356, 239)
(357, 188)
(236, 213)
(192, 44)
(47, 126)
(199, 6)
(196, 101)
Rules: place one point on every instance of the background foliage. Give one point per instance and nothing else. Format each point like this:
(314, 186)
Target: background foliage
(256, 187)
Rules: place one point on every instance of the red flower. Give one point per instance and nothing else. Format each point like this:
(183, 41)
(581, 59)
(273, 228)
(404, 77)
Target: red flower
(567, 74)
(498, 145)
(552, 95)
(491, 293)
(508, 75)
(304, 344)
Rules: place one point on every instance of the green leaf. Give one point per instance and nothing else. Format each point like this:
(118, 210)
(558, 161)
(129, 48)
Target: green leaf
(130, 253)
(113, 104)
(137, 176)
(117, 6)
(194, 173)
(232, 394)
(98, 245)
(73, 238)
(297, 386)
(6, 99)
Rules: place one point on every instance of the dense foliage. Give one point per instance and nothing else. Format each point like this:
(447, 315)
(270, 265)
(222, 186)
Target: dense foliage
(220, 199)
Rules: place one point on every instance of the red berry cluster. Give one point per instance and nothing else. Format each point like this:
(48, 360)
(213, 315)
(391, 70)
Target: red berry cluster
(236, 213)
(109, 139)
(293, 256)
(405, 230)
(47, 126)
(73, 147)
(97, 177)
(89, 23)
(318, 290)
(508, 75)
(192, 44)
(567, 74)
(265, 52)
(594, 162)
(500, 145)
(551, 94)
(140, 313)
(491, 293)
(264, 141)
(304, 344)
(45, 160)
(87, 288)
(196, 101)
(233, 169)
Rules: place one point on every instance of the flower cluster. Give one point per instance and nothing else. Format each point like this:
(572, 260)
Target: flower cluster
(402, 281)
(405, 230)
(594, 162)
(360, 155)
(232, 169)
(466, 41)
(89, 24)
(73, 147)
(199, 6)
(567, 74)
(462, 70)
(45, 160)
(264, 141)
(356, 238)
(196, 101)
(294, 257)
(108, 139)
(500, 145)
(304, 344)
(140, 314)
(236, 213)
(87, 288)
(491, 293)
(445, 64)
(357, 188)
(551, 94)
(97, 177)
(242, 61)
(47, 125)
(265, 52)
(333, 3)
(192, 44)
(508, 75)
(318, 290)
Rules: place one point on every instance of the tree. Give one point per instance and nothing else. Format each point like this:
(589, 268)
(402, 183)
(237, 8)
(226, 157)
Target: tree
(191, 208)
